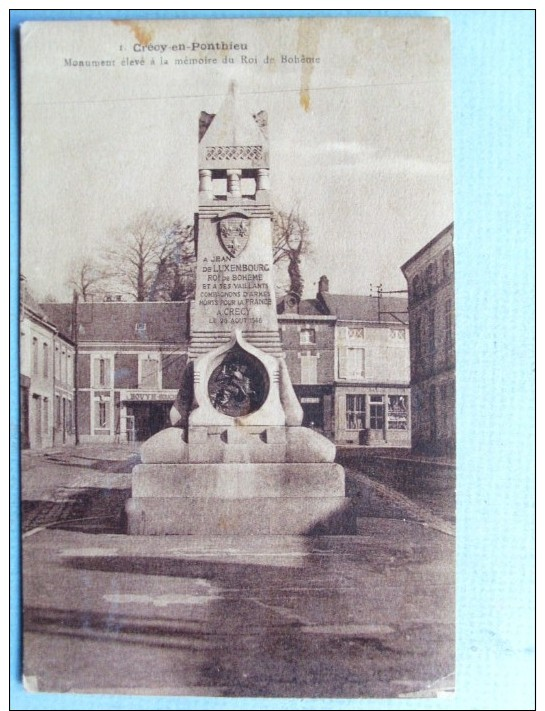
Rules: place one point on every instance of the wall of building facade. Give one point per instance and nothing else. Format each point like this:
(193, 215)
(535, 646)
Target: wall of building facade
(430, 279)
(309, 346)
(126, 390)
(47, 384)
(372, 395)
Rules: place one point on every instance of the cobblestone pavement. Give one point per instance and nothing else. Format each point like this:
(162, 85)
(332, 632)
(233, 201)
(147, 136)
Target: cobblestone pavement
(84, 486)
(376, 499)
(428, 483)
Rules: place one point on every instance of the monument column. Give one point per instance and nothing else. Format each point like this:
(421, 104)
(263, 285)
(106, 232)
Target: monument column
(205, 183)
(233, 183)
(263, 182)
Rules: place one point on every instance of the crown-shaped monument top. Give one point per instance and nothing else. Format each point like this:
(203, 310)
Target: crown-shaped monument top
(234, 137)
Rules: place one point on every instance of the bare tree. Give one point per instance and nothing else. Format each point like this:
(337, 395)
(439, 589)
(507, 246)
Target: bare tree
(153, 258)
(291, 241)
(85, 277)
(182, 271)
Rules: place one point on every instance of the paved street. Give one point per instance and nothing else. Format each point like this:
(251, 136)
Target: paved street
(370, 615)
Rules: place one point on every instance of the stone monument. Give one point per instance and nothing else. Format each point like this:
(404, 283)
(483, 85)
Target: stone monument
(236, 460)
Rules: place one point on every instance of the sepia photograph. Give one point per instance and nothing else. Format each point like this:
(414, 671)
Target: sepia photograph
(237, 358)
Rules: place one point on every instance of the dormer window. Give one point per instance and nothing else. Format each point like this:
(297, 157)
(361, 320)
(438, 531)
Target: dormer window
(307, 336)
(140, 329)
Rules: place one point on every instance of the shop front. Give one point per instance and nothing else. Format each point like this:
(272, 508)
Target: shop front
(373, 417)
(316, 401)
(144, 414)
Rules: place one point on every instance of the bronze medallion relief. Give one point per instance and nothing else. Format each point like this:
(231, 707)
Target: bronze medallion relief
(239, 385)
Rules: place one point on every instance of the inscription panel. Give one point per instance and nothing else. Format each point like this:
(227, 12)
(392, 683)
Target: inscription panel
(231, 292)
(235, 291)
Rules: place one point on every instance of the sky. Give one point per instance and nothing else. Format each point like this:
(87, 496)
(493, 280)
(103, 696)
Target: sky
(360, 141)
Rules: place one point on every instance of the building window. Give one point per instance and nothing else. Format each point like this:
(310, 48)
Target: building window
(307, 336)
(35, 356)
(397, 334)
(149, 373)
(309, 370)
(102, 373)
(69, 417)
(140, 329)
(397, 412)
(447, 264)
(352, 363)
(46, 416)
(376, 412)
(46, 360)
(70, 370)
(58, 412)
(355, 412)
(417, 333)
(62, 374)
(448, 324)
(102, 414)
(416, 286)
(430, 335)
(57, 360)
(431, 276)
(23, 355)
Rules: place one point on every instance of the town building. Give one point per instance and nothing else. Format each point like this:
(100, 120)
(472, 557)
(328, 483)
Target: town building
(129, 367)
(430, 279)
(307, 333)
(348, 359)
(371, 368)
(46, 358)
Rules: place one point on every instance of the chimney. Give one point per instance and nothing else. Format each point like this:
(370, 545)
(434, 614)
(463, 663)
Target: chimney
(323, 285)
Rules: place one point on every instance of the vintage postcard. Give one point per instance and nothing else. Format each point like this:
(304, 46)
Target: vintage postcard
(237, 358)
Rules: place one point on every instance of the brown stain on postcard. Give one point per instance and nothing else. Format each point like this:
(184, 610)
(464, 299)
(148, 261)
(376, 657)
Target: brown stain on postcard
(142, 31)
(308, 39)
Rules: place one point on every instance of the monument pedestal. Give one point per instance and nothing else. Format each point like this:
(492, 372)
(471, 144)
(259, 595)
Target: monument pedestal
(245, 499)
(239, 480)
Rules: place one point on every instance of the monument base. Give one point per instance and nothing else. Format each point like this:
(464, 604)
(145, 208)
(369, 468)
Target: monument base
(240, 499)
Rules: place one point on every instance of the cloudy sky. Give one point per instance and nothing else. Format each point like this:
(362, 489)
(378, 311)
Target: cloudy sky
(361, 140)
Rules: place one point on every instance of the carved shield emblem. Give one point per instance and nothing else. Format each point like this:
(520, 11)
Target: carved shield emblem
(234, 233)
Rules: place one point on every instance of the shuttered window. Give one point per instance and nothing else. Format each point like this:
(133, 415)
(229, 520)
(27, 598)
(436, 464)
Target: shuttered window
(102, 373)
(149, 373)
(351, 363)
(309, 370)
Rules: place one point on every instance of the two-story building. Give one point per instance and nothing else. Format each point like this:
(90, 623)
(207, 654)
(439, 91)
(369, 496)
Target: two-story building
(46, 356)
(430, 278)
(308, 341)
(348, 357)
(371, 368)
(130, 361)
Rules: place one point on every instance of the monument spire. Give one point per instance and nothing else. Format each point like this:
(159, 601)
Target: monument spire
(235, 287)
